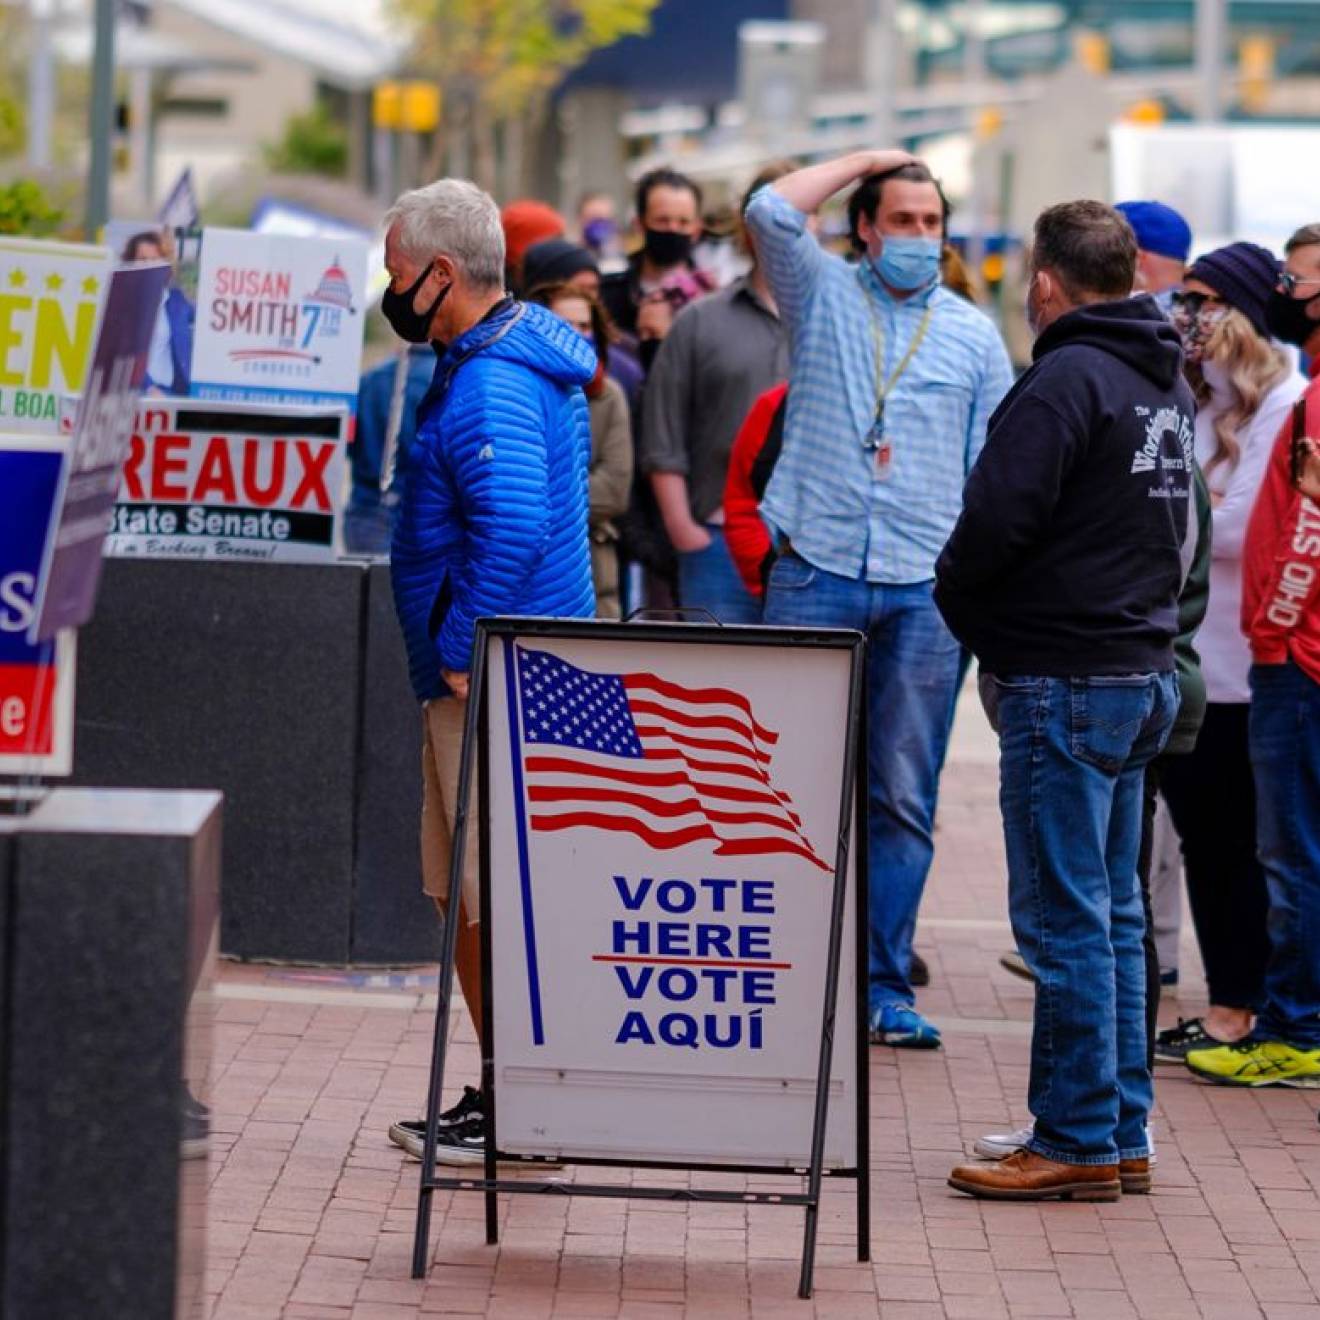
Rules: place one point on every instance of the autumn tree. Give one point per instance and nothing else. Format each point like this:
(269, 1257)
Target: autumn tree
(497, 62)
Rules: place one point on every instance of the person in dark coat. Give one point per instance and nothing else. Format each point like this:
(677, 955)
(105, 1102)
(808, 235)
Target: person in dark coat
(1062, 575)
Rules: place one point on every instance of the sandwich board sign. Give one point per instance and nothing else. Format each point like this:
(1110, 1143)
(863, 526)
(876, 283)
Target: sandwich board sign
(669, 915)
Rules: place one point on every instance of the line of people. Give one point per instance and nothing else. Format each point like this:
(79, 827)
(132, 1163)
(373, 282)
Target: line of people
(835, 440)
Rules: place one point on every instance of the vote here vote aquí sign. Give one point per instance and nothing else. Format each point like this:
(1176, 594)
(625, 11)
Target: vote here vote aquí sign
(36, 679)
(279, 319)
(50, 299)
(663, 824)
(231, 482)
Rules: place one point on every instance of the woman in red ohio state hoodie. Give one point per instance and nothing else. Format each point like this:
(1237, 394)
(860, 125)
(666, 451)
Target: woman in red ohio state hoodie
(1281, 618)
(1281, 570)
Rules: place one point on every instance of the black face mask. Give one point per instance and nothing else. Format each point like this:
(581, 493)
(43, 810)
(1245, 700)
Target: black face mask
(408, 324)
(1289, 320)
(666, 247)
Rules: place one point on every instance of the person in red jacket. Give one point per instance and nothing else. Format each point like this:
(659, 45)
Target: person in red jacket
(1281, 618)
(755, 451)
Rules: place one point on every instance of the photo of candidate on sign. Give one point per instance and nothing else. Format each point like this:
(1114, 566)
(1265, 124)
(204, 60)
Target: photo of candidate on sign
(663, 832)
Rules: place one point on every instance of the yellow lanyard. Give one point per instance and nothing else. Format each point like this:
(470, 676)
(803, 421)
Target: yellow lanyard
(884, 388)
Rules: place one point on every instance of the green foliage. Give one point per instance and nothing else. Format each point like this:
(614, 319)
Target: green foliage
(25, 209)
(13, 127)
(313, 143)
(513, 52)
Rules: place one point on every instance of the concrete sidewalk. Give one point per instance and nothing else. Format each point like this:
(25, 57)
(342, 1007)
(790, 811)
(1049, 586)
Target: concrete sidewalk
(311, 1209)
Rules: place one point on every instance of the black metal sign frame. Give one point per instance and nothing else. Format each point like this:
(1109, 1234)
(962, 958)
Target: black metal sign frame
(851, 850)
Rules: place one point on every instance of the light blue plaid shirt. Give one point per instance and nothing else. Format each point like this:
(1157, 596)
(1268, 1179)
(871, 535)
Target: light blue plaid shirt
(824, 495)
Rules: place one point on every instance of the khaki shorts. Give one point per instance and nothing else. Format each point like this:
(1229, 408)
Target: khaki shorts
(442, 755)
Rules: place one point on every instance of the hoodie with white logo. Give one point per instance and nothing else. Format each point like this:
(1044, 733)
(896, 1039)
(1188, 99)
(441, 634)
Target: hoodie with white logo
(1066, 560)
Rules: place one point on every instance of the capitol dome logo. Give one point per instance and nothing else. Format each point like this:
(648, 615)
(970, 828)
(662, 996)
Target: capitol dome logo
(333, 289)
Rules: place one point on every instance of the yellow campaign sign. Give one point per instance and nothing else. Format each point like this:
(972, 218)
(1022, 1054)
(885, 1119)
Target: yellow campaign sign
(50, 297)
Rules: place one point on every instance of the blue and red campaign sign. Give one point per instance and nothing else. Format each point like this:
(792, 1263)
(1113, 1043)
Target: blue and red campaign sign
(34, 732)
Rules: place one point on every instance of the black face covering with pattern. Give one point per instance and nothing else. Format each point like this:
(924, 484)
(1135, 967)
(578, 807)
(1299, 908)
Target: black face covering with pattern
(406, 322)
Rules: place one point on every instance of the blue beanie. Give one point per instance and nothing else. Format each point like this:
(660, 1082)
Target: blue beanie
(1159, 229)
(1243, 275)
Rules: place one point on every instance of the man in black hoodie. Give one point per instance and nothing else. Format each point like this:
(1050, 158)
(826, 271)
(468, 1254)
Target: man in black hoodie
(1063, 575)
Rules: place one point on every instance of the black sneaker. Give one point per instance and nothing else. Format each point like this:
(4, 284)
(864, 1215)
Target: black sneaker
(1172, 1045)
(195, 1137)
(410, 1133)
(918, 972)
(463, 1143)
(460, 1143)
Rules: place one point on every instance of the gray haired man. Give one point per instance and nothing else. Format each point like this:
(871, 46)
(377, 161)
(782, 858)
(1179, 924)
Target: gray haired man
(493, 520)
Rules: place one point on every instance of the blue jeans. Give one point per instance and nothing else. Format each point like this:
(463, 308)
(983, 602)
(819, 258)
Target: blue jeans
(1285, 756)
(708, 579)
(1072, 760)
(912, 685)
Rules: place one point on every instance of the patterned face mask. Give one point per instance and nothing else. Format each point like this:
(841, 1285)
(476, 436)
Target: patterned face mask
(1195, 323)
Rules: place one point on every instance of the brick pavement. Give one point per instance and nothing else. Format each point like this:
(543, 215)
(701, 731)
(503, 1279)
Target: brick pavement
(311, 1209)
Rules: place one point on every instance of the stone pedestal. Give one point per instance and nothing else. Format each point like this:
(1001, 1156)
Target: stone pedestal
(284, 686)
(108, 913)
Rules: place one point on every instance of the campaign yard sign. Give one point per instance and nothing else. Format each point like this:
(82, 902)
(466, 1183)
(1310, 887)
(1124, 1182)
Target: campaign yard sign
(50, 299)
(231, 481)
(663, 828)
(89, 475)
(36, 679)
(279, 319)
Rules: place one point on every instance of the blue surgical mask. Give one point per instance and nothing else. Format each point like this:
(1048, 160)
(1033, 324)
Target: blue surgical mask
(909, 263)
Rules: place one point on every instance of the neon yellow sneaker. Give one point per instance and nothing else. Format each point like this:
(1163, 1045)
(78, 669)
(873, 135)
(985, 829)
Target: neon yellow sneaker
(1257, 1063)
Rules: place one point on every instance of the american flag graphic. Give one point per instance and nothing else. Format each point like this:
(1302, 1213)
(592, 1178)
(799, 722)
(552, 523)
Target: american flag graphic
(633, 752)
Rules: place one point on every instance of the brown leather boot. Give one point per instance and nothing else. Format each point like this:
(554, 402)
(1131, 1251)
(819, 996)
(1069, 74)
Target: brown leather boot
(1027, 1176)
(1135, 1176)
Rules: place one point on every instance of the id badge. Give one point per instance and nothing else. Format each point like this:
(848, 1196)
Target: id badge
(884, 460)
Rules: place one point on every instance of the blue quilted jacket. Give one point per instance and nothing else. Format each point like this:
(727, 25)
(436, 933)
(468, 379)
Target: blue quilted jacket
(494, 517)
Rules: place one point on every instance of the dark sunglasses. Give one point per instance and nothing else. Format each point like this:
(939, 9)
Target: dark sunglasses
(1290, 283)
(1189, 303)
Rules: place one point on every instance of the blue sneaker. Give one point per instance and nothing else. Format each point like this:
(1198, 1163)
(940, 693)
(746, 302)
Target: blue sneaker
(900, 1024)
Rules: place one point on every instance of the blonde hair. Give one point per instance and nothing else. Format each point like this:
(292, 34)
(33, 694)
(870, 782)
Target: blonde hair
(1254, 366)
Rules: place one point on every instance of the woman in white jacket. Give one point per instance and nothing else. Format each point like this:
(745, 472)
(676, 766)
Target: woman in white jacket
(1245, 387)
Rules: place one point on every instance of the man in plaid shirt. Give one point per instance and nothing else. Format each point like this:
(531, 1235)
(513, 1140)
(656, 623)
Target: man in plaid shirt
(893, 379)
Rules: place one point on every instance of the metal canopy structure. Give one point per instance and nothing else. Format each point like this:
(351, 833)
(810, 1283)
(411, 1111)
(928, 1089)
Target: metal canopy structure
(352, 46)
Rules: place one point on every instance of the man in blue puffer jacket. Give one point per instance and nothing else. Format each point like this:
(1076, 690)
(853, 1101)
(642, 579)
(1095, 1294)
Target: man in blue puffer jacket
(493, 520)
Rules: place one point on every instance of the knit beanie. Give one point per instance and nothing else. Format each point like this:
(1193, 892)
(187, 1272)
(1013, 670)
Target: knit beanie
(1159, 228)
(525, 223)
(1243, 275)
(554, 261)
